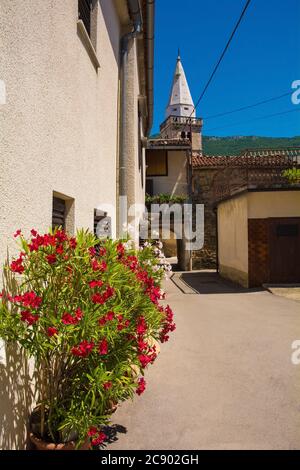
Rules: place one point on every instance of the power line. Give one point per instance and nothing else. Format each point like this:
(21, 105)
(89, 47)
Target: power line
(259, 103)
(220, 60)
(255, 119)
(222, 55)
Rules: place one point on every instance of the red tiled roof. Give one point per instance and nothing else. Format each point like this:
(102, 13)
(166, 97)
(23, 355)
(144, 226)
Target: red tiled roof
(200, 160)
(205, 161)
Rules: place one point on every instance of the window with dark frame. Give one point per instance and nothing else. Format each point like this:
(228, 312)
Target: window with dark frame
(157, 163)
(58, 213)
(84, 13)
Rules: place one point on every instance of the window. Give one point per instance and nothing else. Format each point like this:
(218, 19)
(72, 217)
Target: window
(183, 135)
(63, 212)
(157, 163)
(102, 224)
(84, 13)
(58, 213)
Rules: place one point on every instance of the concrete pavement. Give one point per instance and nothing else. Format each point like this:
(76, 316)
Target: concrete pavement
(225, 380)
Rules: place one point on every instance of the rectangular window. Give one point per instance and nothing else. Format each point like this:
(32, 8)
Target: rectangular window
(58, 213)
(102, 224)
(84, 13)
(157, 162)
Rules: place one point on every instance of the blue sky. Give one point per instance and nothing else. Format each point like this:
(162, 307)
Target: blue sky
(262, 62)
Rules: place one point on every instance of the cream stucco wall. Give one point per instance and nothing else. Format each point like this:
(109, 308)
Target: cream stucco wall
(59, 132)
(60, 123)
(176, 181)
(233, 218)
(233, 239)
(262, 205)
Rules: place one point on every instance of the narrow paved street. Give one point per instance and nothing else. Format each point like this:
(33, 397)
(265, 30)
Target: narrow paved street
(225, 379)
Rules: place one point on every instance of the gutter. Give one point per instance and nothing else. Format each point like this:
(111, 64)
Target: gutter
(150, 61)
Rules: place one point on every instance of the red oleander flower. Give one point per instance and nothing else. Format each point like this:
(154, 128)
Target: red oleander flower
(30, 299)
(98, 299)
(110, 316)
(78, 314)
(61, 236)
(94, 284)
(28, 317)
(51, 258)
(17, 266)
(18, 233)
(73, 243)
(96, 266)
(59, 250)
(68, 319)
(120, 327)
(92, 252)
(120, 318)
(127, 323)
(141, 326)
(107, 385)
(103, 266)
(144, 360)
(84, 349)
(120, 250)
(102, 251)
(92, 431)
(169, 313)
(102, 298)
(142, 345)
(33, 232)
(102, 321)
(103, 347)
(51, 331)
(99, 440)
(141, 386)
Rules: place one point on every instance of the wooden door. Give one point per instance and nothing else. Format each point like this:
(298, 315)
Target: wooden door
(284, 250)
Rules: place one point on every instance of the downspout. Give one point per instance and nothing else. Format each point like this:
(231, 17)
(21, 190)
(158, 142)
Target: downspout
(217, 240)
(136, 15)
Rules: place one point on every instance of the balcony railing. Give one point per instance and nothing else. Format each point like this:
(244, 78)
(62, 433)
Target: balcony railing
(182, 120)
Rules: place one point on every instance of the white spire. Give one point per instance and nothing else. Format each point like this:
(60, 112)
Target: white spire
(180, 102)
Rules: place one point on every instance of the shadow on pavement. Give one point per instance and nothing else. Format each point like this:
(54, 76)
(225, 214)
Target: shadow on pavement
(208, 283)
(112, 432)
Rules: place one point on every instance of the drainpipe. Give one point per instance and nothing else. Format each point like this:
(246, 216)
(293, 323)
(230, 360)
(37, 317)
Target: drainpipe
(136, 15)
(217, 240)
(135, 12)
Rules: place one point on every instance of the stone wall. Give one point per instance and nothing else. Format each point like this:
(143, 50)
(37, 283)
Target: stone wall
(202, 194)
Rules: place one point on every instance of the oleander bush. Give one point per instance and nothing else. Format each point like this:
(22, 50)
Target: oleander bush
(89, 313)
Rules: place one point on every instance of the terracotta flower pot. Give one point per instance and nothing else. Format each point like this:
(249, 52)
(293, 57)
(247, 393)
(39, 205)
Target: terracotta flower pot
(43, 445)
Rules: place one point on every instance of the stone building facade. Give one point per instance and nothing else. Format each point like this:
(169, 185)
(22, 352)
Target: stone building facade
(217, 178)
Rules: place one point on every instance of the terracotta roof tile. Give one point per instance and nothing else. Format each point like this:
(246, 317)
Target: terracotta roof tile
(204, 161)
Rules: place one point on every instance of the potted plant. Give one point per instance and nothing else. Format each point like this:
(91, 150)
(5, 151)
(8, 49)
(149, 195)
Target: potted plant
(89, 314)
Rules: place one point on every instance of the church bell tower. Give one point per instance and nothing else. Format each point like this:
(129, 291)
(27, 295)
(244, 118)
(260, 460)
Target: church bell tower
(181, 121)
